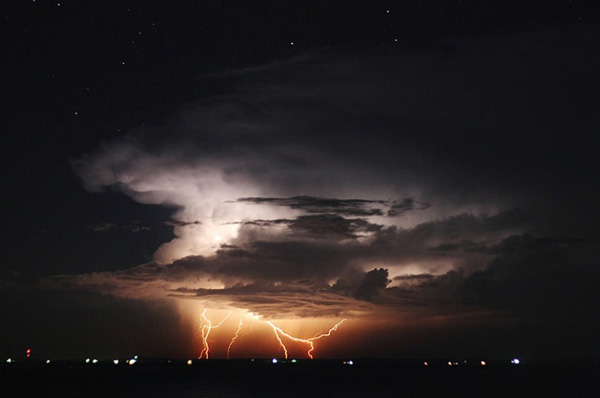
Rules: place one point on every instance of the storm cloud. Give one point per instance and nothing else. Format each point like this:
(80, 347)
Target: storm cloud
(373, 183)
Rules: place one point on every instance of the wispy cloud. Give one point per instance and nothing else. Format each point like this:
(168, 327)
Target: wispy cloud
(109, 226)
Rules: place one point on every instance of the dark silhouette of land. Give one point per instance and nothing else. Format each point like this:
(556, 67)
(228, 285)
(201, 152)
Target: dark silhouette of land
(320, 378)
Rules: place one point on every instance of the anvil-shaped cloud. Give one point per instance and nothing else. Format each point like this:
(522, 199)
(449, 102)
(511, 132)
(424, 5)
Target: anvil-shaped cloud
(336, 184)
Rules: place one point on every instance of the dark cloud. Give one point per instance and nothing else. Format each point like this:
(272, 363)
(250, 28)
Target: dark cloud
(135, 227)
(413, 279)
(515, 243)
(323, 226)
(291, 258)
(399, 207)
(373, 282)
(344, 207)
(310, 204)
(527, 277)
(536, 277)
(463, 246)
(330, 266)
(109, 226)
(177, 223)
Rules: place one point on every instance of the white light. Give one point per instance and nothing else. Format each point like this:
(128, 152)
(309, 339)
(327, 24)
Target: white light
(254, 316)
(274, 360)
(483, 363)
(132, 361)
(189, 362)
(116, 361)
(9, 360)
(449, 363)
(294, 361)
(47, 361)
(350, 362)
(426, 363)
(515, 361)
(87, 360)
(94, 361)
(135, 357)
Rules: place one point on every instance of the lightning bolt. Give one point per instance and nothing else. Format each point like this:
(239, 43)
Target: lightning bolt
(331, 330)
(206, 329)
(237, 333)
(280, 332)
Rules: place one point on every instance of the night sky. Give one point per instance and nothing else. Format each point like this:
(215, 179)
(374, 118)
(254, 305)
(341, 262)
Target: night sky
(424, 170)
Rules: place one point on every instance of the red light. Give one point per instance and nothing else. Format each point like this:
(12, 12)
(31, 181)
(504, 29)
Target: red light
(28, 352)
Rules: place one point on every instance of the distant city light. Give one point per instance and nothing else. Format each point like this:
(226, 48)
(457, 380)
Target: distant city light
(274, 360)
(426, 363)
(189, 362)
(294, 361)
(87, 360)
(483, 363)
(132, 361)
(116, 361)
(9, 360)
(449, 363)
(515, 361)
(47, 361)
(94, 360)
(28, 352)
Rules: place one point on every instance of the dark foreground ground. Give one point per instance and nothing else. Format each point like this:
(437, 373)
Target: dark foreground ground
(301, 379)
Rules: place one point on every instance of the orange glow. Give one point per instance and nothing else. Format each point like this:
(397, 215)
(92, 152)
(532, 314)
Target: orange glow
(237, 333)
(282, 338)
(206, 329)
(279, 332)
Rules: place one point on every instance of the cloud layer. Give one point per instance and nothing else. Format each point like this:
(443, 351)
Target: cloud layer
(439, 181)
